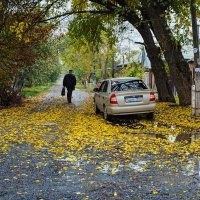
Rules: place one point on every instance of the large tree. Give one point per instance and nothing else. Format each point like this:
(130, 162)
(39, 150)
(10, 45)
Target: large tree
(20, 34)
(154, 12)
(114, 10)
(171, 47)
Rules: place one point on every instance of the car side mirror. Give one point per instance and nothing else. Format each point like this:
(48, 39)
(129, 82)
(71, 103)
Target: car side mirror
(96, 90)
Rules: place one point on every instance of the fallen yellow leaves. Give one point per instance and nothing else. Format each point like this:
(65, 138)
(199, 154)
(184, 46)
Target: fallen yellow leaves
(66, 131)
(154, 191)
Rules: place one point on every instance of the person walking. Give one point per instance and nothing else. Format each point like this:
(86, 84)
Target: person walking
(69, 82)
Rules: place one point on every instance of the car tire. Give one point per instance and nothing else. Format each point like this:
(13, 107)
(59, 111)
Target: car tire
(106, 116)
(96, 110)
(150, 115)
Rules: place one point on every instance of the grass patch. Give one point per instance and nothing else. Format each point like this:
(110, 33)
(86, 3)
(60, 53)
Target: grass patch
(35, 91)
(177, 100)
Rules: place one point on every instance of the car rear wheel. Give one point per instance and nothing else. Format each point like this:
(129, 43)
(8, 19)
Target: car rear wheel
(106, 116)
(150, 115)
(96, 110)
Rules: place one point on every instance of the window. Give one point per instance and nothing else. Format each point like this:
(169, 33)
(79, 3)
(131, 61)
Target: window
(123, 85)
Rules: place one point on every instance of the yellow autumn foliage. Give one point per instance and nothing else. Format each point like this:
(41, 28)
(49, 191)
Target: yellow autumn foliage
(66, 130)
(19, 28)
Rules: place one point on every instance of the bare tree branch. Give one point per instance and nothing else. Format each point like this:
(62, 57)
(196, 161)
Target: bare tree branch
(77, 12)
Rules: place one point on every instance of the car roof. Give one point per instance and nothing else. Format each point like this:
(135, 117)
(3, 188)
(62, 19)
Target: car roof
(124, 78)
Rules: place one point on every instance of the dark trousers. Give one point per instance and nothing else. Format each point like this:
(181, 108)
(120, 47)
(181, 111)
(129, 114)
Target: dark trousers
(69, 95)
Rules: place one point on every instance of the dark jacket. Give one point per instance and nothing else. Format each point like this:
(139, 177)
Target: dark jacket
(69, 81)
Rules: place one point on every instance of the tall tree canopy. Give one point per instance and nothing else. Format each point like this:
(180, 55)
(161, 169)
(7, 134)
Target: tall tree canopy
(24, 24)
(158, 15)
(110, 15)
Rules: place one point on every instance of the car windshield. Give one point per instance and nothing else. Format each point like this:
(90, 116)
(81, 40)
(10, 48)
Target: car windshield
(125, 85)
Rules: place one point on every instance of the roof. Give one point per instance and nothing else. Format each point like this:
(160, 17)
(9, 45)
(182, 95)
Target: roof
(124, 78)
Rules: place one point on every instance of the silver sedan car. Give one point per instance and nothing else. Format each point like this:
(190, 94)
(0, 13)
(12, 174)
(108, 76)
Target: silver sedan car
(124, 96)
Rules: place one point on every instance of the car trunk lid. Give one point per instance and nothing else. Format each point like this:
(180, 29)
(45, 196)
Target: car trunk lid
(137, 97)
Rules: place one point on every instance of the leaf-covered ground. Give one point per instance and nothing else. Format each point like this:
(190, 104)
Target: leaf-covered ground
(129, 158)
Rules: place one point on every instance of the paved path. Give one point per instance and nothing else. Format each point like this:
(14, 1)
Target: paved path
(78, 96)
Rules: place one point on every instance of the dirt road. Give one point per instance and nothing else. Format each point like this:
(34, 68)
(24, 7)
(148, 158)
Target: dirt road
(78, 96)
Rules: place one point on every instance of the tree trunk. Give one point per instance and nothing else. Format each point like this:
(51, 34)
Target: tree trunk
(162, 83)
(105, 74)
(179, 68)
(113, 67)
(100, 65)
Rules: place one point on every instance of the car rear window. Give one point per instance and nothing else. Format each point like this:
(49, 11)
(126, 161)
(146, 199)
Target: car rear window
(125, 85)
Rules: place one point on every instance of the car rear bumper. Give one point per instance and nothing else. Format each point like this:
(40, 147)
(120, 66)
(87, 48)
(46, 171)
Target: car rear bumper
(126, 110)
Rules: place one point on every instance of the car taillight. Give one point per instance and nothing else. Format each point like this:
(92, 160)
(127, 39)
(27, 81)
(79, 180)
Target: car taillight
(152, 96)
(113, 99)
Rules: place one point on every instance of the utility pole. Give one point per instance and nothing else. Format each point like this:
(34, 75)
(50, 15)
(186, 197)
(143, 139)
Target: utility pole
(196, 86)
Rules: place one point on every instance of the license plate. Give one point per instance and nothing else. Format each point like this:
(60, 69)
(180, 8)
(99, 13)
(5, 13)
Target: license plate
(131, 99)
